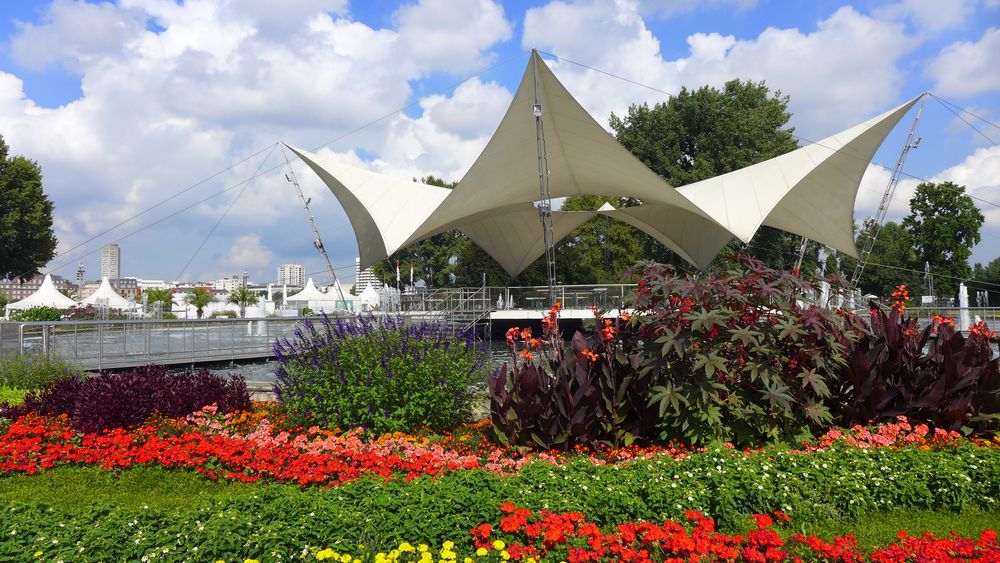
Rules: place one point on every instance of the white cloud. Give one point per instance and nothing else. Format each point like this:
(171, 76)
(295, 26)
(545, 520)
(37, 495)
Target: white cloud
(75, 33)
(966, 68)
(209, 82)
(930, 16)
(831, 74)
(247, 253)
(451, 35)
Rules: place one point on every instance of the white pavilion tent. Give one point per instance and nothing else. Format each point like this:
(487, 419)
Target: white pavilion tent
(368, 298)
(106, 295)
(309, 293)
(46, 296)
(810, 191)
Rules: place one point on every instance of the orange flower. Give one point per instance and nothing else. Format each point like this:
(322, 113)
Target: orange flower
(536, 343)
(527, 355)
(526, 333)
(626, 317)
(589, 354)
(608, 332)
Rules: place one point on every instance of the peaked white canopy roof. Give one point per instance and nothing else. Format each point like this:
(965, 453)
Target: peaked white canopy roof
(368, 295)
(309, 293)
(46, 296)
(105, 291)
(810, 191)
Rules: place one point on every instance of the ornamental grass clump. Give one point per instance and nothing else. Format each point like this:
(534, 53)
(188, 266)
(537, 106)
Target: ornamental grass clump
(735, 355)
(32, 370)
(378, 374)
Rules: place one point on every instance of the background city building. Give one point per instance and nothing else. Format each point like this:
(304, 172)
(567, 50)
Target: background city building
(111, 261)
(364, 277)
(16, 290)
(230, 283)
(292, 275)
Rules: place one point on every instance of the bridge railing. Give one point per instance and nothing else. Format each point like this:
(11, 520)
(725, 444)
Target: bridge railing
(517, 297)
(109, 344)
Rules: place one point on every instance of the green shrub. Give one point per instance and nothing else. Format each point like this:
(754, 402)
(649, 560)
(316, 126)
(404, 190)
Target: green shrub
(227, 314)
(34, 370)
(168, 316)
(36, 314)
(378, 375)
(306, 312)
(11, 395)
(734, 355)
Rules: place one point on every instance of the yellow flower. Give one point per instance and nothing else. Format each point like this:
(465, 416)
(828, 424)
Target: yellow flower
(345, 558)
(325, 554)
(251, 561)
(505, 555)
(423, 547)
(448, 544)
(498, 545)
(481, 552)
(468, 560)
(38, 554)
(405, 547)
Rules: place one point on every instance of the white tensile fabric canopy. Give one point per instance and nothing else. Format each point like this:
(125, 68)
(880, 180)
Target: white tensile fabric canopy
(810, 191)
(310, 293)
(46, 296)
(105, 291)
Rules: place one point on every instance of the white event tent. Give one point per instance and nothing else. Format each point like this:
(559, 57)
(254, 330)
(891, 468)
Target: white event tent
(810, 191)
(106, 294)
(46, 296)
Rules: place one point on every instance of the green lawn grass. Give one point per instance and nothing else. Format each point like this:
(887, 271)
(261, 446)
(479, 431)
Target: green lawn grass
(75, 488)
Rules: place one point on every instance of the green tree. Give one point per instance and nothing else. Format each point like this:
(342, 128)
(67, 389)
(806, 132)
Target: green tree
(893, 249)
(600, 250)
(26, 238)
(160, 295)
(3, 302)
(242, 297)
(944, 224)
(433, 259)
(987, 278)
(702, 133)
(200, 298)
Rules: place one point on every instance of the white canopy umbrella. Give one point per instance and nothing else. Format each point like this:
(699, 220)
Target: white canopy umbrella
(46, 296)
(109, 296)
(368, 296)
(309, 293)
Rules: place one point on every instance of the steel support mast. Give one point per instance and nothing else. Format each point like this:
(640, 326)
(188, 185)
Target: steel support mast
(545, 204)
(318, 241)
(890, 190)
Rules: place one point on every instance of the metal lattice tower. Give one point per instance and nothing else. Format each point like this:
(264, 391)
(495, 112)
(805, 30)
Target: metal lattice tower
(545, 205)
(318, 241)
(890, 189)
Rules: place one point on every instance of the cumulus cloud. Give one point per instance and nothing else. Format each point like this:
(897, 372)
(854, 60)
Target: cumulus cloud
(930, 16)
(451, 35)
(172, 92)
(830, 73)
(968, 68)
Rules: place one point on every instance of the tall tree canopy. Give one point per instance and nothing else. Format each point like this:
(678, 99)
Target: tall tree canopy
(702, 133)
(944, 224)
(987, 278)
(893, 247)
(26, 238)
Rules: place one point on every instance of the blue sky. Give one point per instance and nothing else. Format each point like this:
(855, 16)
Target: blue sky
(127, 103)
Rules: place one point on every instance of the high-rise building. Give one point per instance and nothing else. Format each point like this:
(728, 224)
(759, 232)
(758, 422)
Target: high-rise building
(111, 261)
(292, 274)
(364, 277)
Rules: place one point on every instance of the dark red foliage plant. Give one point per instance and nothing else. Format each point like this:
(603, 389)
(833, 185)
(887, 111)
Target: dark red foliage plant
(737, 355)
(932, 374)
(560, 396)
(126, 399)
